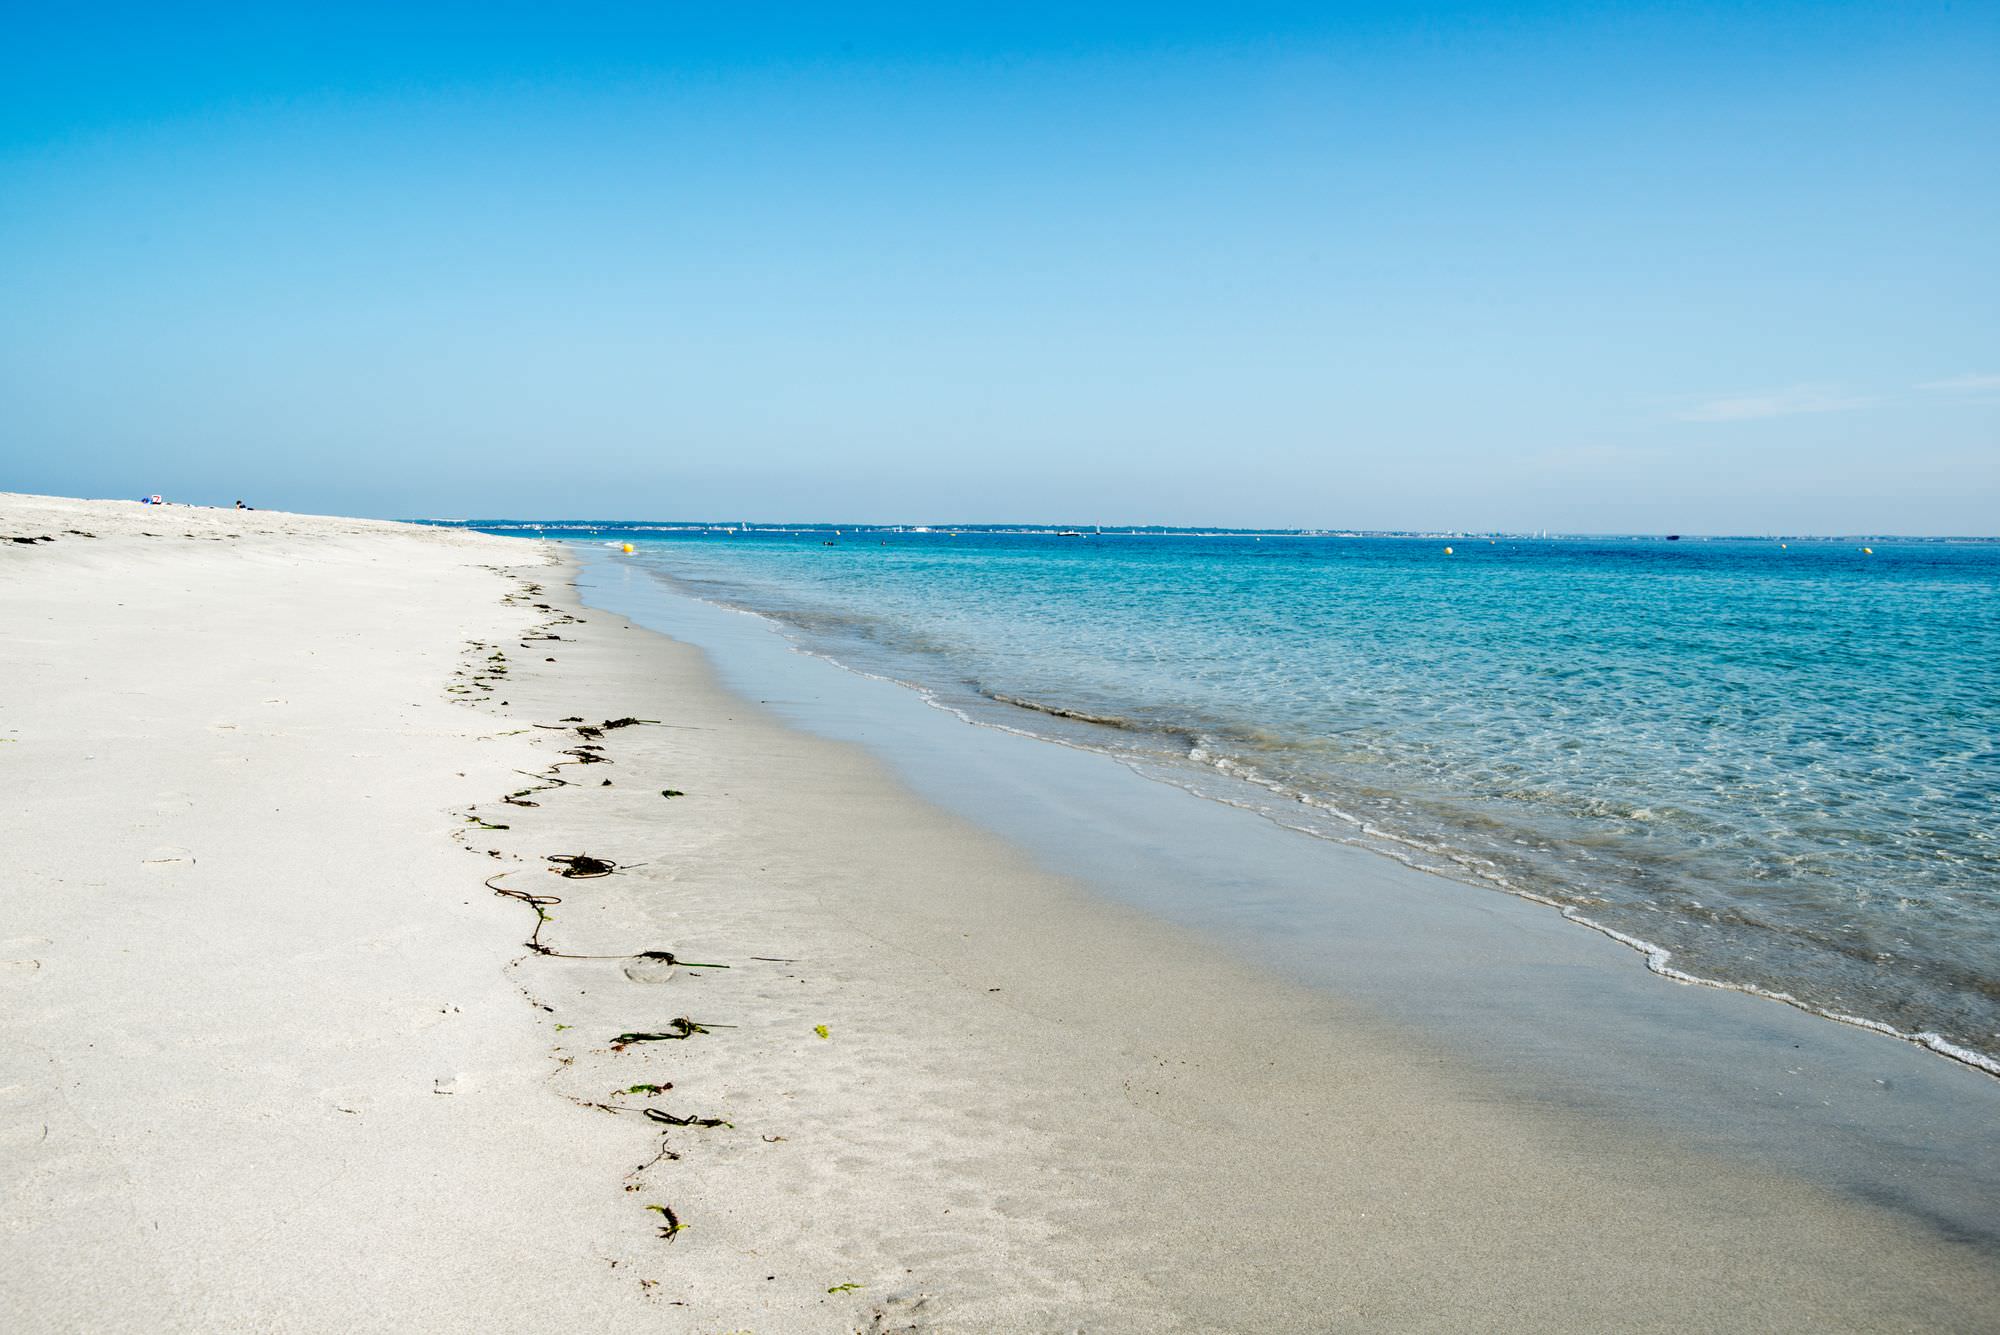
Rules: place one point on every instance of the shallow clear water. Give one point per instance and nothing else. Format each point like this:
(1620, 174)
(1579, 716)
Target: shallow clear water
(1777, 763)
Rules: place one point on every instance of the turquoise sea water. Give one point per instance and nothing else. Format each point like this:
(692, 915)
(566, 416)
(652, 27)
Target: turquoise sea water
(1775, 767)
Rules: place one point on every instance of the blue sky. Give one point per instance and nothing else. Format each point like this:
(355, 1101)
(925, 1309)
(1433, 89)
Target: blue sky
(1593, 268)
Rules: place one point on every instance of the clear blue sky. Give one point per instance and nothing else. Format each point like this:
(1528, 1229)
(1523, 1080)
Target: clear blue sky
(1592, 267)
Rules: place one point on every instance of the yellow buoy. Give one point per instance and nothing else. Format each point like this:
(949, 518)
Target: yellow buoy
(1447, 551)
(1868, 551)
(628, 549)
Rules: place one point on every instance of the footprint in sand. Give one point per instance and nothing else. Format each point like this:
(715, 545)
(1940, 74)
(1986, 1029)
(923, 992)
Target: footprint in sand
(23, 1136)
(652, 967)
(16, 957)
(900, 1314)
(23, 1117)
(429, 1017)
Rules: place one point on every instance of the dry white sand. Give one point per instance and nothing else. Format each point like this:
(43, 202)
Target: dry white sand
(273, 1057)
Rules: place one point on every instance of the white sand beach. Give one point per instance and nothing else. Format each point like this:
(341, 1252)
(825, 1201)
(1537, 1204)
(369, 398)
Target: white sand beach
(274, 1055)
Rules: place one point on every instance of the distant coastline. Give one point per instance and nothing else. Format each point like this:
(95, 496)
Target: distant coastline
(594, 527)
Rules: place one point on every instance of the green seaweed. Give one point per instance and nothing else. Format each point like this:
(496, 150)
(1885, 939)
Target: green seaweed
(680, 1027)
(662, 1115)
(673, 1224)
(668, 956)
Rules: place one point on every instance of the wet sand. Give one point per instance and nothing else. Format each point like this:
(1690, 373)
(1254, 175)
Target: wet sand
(277, 1057)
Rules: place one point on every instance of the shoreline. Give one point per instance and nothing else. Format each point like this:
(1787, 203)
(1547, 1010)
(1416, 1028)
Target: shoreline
(1034, 1106)
(1507, 988)
(1656, 958)
(1817, 894)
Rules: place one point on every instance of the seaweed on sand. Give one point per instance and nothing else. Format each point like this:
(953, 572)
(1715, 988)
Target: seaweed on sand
(582, 866)
(662, 1115)
(539, 903)
(678, 1028)
(673, 1224)
(667, 957)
